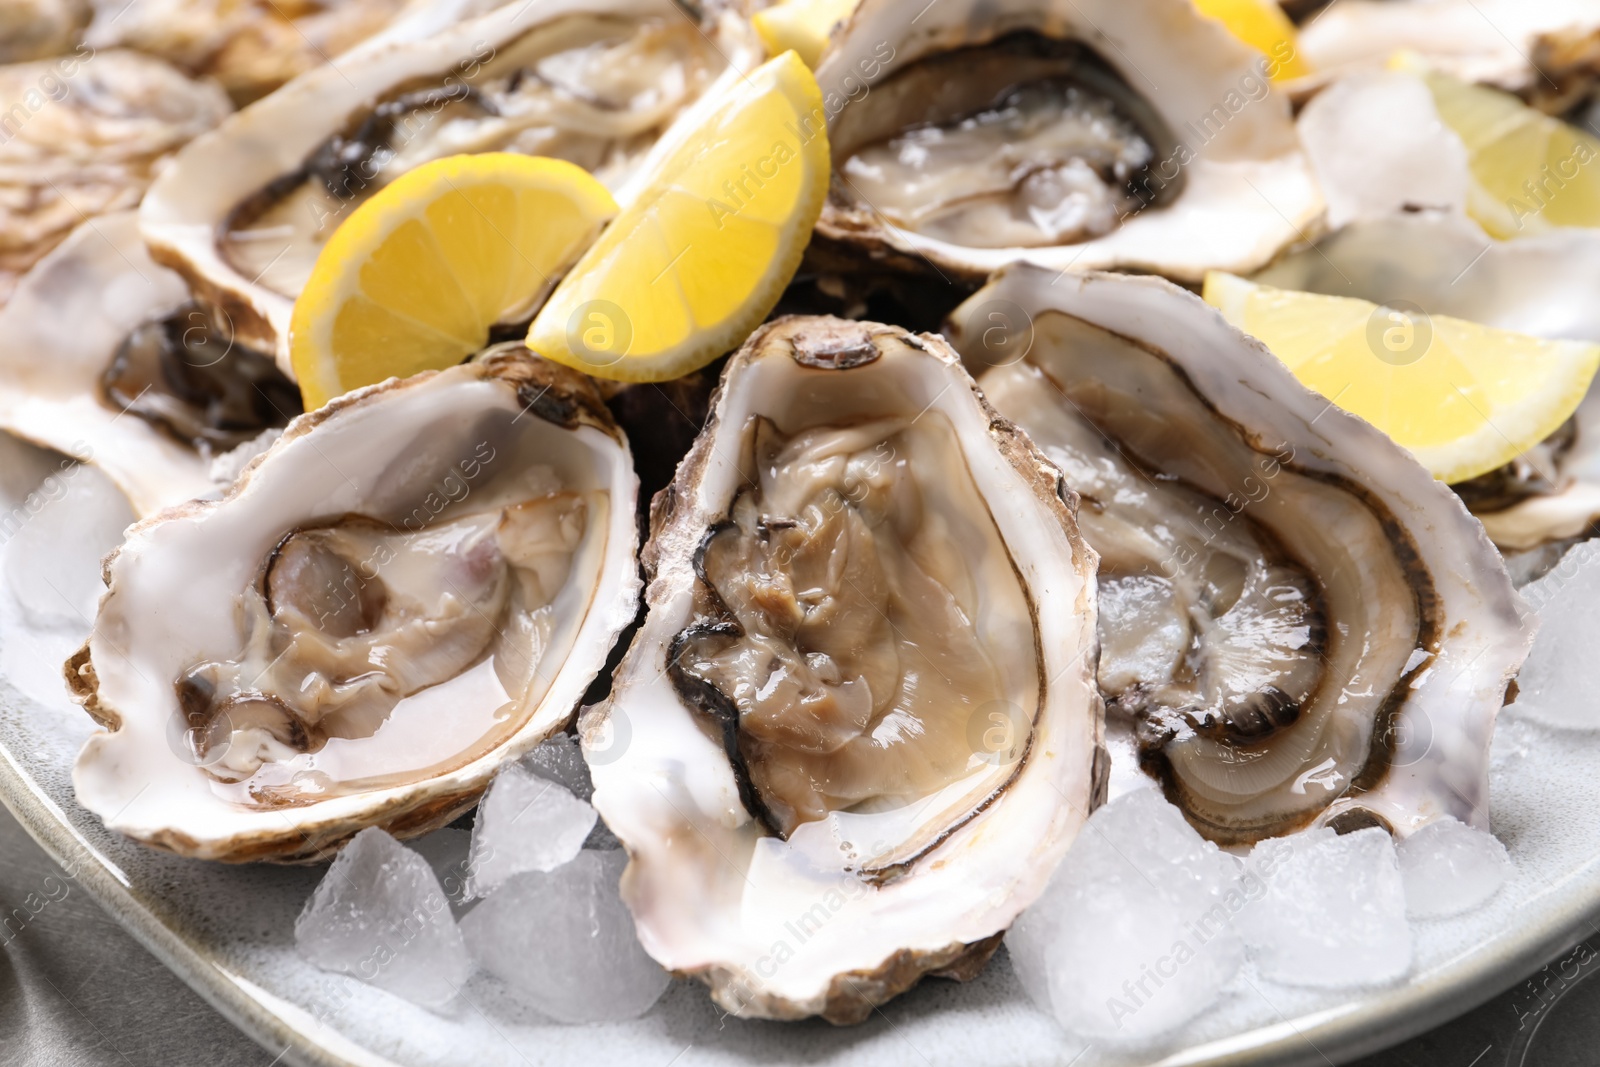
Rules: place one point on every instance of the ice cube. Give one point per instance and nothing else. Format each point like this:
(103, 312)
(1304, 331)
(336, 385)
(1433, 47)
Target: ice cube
(1447, 868)
(380, 916)
(1333, 913)
(1133, 936)
(448, 852)
(1407, 157)
(526, 823)
(23, 467)
(1559, 683)
(566, 941)
(61, 531)
(560, 759)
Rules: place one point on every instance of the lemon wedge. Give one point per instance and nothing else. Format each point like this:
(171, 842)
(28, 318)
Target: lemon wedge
(801, 25)
(417, 275)
(1530, 172)
(1262, 25)
(1463, 398)
(697, 260)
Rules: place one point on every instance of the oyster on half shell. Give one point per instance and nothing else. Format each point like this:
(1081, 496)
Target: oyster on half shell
(1298, 624)
(858, 727)
(39, 29)
(142, 383)
(415, 584)
(243, 213)
(84, 135)
(1131, 134)
(248, 48)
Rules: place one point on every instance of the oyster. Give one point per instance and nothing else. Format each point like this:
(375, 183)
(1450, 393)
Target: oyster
(83, 136)
(1298, 624)
(415, 584)
(39, 29)
(1442, 264)
(858, 727)
(103, 356)
(1546, 52)
(971, 136)
(248, 48)
(243, 213)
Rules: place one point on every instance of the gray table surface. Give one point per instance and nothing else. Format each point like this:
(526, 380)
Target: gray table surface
(76, 991)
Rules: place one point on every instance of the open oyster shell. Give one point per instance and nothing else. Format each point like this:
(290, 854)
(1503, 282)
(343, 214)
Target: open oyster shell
(50, 374)
(1091, 134)
(858, 727)
(142, 384)
(39, 29)
(83, 135)
(415, 584)
(243, 213)
(1298, 624)
(248, 48)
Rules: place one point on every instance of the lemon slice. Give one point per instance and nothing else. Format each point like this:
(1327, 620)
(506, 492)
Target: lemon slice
(697, 260)
(801, 25)
(417, 275)
(1530, 172)
(1262, 25)
(1464, 398)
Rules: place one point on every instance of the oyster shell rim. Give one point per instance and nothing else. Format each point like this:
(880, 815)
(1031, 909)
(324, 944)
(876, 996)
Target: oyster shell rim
(852, 227)
(1397, 794)
(851, 995)
(413, 808)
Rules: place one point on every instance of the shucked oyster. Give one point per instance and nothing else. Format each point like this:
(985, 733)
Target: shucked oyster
(1098, 133)
(248, 48)
(413, 585)
(243, 213)
(39, 29)
(1297, 623)
(81, 137)
(103, 356)
(858, 727)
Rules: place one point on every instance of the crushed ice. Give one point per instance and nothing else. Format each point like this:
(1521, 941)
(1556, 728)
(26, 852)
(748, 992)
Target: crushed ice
(1559, 685)
(552, 925)
(1449, 868)
(58, 517)
(1333, 912)
(1145, 924)
(565, 941)
(380, 915)
(526, 822)
(1133, 936)
(74, 516)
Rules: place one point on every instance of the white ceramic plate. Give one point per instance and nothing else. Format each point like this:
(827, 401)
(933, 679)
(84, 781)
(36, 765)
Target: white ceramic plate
(228, 931)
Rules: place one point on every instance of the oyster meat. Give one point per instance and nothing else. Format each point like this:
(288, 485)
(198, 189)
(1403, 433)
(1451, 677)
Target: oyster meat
(248, 48)
(412, 586)
(143, 384)
(858, 727)
(243, 213)
(971, 136)
(1298, 625)
(83, 136)
(39, 29)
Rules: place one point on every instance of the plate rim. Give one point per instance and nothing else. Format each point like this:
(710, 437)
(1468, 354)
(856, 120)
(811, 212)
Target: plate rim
(1386, 1016)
